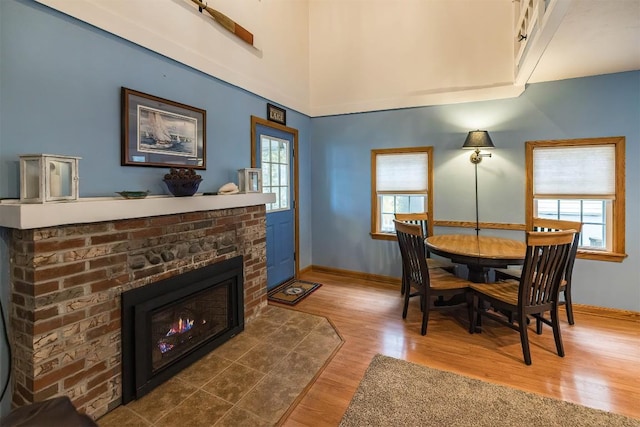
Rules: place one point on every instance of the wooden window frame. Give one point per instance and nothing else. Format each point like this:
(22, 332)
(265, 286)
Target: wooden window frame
(375, 208)
(617, 253)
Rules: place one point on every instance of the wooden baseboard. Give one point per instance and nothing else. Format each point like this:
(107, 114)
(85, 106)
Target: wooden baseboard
(612, 313)
(592, 310)
(307, 269)
(355, 274)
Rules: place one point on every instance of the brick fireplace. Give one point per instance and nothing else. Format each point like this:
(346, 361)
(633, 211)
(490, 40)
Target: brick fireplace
(67, 280)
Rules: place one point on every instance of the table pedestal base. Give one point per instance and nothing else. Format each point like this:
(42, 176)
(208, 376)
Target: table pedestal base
(477, 274)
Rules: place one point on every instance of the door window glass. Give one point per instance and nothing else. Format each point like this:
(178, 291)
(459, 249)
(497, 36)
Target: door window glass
(275, 171)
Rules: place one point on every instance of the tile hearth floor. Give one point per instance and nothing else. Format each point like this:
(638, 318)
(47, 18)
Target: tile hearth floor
(251, 380)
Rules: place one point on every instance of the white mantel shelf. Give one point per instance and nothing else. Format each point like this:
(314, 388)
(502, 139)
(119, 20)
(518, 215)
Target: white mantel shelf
(24, 216)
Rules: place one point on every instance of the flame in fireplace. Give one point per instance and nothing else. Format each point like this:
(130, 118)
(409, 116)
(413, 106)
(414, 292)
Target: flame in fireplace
(164, 346)
(181, 326)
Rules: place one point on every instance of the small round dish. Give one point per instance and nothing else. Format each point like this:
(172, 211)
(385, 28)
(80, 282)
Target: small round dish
(133, 194)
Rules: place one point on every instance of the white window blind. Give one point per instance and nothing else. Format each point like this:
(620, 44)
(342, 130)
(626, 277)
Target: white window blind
(586, 170)
(402, 172)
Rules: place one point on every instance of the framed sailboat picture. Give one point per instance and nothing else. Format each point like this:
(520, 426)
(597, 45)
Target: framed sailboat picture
(162, 133)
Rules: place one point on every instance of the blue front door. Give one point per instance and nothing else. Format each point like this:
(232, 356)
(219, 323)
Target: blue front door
(274, 155)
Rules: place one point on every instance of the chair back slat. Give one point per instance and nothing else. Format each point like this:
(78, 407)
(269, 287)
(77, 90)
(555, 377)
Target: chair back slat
(544, 267)
(544, 224)
(412, 250)
(421, 219)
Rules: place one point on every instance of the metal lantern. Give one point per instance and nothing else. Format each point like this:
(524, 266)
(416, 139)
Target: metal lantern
(48, 178)
(250, 180)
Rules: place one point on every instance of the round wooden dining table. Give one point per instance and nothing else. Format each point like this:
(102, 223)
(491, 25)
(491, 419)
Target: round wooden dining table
(478, 253)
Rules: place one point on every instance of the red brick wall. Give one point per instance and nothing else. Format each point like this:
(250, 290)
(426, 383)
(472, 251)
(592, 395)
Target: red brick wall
(66, 286)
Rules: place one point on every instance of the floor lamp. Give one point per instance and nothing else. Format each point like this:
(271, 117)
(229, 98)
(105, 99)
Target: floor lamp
(478, 139)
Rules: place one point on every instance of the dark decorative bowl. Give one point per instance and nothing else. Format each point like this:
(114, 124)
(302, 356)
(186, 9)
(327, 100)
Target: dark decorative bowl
(182, 187)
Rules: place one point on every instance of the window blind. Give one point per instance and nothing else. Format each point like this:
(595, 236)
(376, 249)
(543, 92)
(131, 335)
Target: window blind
(586, 170)
(402, 172)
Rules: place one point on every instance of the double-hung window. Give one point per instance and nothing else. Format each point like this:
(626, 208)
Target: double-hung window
(580, 180)
(401, 182)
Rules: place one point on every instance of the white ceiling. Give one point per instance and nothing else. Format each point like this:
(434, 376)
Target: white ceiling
(347, 56)
(595, 37)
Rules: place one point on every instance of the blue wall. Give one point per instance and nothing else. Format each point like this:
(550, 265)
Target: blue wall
(579, 108)
(60, 83)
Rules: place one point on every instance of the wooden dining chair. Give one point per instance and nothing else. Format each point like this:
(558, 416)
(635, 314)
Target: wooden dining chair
(427, 283)
(552, 225)
(422, 219)
(535, 293)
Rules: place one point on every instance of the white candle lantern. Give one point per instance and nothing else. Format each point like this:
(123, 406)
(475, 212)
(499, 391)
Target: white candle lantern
(250, 180)
(48, 178)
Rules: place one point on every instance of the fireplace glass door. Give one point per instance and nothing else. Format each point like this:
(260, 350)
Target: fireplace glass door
(183, 325)
(168, 325)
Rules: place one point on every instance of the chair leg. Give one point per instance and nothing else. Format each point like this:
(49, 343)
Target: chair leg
(524, 338)
(568, 306)
(403, 283)
(555, 324)
(407, 293)
(478, 306)
(472, 301)
(539, 324)
(425, 316)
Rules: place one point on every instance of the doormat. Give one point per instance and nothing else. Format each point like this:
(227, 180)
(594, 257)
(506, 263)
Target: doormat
(293, 292)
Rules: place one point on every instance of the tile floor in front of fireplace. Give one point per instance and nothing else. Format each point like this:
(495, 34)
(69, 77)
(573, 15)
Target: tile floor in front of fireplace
(251, 380)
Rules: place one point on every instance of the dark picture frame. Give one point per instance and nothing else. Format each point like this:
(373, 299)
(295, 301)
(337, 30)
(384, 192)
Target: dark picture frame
(276, 114)
(161, 133)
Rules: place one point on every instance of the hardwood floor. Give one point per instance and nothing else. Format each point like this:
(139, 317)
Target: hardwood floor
(600, 369)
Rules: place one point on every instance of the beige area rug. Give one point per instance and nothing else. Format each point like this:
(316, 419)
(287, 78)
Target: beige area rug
(394, 392)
